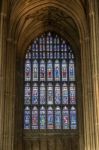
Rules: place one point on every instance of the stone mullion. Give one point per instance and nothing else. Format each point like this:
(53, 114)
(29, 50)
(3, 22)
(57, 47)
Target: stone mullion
(93, 41)
(87, 96)
(2, 71)
(8, 139)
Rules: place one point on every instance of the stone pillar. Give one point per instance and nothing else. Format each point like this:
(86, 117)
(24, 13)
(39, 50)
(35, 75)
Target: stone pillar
(2, 71)
(88, 98)
(9, 107)
(94, 42)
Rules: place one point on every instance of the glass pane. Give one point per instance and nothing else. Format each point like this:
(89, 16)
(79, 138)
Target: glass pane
(35, 71)
(65, 94)
(42, 118)
(57, 94)
(64, 71)
(35, 118)
(42, 71)
(35, 94)
(27, 70)
(65, 116)
(49, 71)
(50, 118)
(42, 94)
(50, 94)
(57, 71)
(72, 94)
(27, 90)
(27, 118)
(73, 121)
(71, 71)
(57, 118)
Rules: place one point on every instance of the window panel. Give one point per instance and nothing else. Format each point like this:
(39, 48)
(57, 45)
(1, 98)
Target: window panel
(49, 71)
(50, 118)
(42, 94)
(57, 118)
(27, 118)
(50, 94)
(65, 115)
(57, 71)
(35, 71)
(72, 94)
(73, 121)
(71, 71)
(42, 118)
(27, 70)
(65, 94)
(57, 94)
(64, 70)
(35, 94)
(34, 118)
(42, 70)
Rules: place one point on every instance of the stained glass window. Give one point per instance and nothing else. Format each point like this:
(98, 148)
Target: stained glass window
(50, 100)
(42, 94)
(34, 118)
(27, 70)
(35, 71)
(35, 94)
(50, 118)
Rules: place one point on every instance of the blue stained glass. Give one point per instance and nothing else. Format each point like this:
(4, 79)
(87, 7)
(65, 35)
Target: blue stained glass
(57, 71)
(71, 71)
(50, 118)
(35, 94)
(65, 94)
(27, 70)
(57, 118)
(27, 90)
(49, 71)
(42, 118)
(57, 94)
(35, 118)
(42, 94)
(42, 70)
(35, 71)
(73, 120)
(72, 94)
(64, 70)
(65, 115)
(27, 118)
(50, 94)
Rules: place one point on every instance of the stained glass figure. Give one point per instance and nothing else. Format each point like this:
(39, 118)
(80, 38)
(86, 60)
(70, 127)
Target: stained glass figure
(42, 70)
(27, 70)
(57, 118)
(72, 94)
(64, 94)
(42, 94)
(65, 119)
(27, 118)
(35, 94)
(71, 71)
(49, 71)
(57, 71)
(34, 118)
(73, 118)
(35, 71)
(50, 94)
(64, 70)
(42, 118)
(50, 118)
(27, 90)
(57, 94)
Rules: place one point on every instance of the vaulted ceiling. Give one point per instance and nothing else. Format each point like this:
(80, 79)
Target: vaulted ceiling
(29, 18)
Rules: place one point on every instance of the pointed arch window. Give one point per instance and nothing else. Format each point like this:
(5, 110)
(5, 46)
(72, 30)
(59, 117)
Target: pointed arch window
(50, 101)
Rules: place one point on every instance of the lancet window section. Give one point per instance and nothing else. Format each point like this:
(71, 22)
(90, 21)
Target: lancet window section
(50, 95)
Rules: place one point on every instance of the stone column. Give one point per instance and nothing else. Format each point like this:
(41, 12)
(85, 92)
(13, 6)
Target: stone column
(9, 107)
(94, 42)
(2, 71)
(88, 98)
